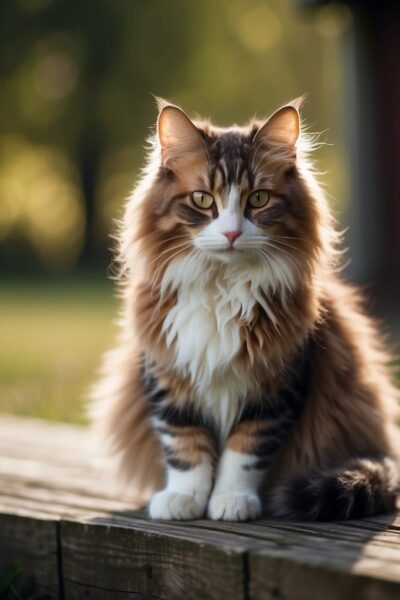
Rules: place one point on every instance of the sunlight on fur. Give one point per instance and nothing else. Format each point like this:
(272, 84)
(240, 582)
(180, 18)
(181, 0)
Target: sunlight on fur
(247, 379)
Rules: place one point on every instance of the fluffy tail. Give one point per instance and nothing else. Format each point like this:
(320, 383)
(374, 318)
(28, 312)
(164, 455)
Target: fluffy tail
(361, 488)
(122, 423)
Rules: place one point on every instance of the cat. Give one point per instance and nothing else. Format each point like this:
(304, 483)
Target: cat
(247, 379)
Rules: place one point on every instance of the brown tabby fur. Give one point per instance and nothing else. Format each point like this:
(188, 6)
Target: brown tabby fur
(351, 403)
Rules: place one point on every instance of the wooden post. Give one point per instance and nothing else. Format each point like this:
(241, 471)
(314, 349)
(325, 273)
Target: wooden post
(372, 119)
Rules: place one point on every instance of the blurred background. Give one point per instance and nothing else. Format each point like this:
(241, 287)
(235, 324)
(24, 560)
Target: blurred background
(76, 79)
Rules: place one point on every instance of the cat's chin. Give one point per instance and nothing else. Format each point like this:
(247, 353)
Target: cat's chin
(231, 255)
(226, 256)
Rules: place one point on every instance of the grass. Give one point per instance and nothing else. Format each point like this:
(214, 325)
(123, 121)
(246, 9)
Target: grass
(52, 336)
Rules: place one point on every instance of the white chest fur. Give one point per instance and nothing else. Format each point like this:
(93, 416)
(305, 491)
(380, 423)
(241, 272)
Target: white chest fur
(203, 329)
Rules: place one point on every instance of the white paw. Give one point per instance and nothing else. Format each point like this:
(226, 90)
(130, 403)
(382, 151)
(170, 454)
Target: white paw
(173, 505)
(234, 507)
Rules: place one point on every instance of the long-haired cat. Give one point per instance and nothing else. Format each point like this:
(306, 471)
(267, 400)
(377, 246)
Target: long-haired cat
(247, 378)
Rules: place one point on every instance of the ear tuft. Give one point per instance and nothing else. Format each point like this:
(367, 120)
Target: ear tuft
(298, 102)
(283, 127)
(180, 140)
(161, 102)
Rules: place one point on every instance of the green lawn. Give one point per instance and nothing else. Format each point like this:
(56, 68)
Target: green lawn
(52, 336)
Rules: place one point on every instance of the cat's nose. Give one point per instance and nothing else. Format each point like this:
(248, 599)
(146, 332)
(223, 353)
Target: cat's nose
(232, 235)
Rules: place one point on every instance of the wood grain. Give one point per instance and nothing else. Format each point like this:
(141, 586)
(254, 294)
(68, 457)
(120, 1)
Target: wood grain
(283, 577)
(29, 545)
(64, 519)
(132, 561)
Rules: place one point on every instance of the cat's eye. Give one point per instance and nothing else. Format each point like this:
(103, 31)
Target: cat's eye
(258, 199)
(202, 199)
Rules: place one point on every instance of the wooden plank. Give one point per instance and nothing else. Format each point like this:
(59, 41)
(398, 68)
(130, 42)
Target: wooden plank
(107, 549)
(62, 456)
(35, 483)
(290, 578)
(129, 561)
(345, 541)
(361, 551)
(29, 547)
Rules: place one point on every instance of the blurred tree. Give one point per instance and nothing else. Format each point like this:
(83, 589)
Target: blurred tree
(71, 50)
(75, 83)
(371, 93)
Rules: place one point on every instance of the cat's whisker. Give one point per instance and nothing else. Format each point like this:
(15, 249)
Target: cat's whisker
(164, 264)
(176, 246)
(282, 246)
(289, 256)
(287, 239)
(193, 256)
(175, 237)
(275, 260)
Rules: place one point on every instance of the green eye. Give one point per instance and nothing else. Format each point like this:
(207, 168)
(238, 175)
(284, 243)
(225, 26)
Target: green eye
(258, 199)
(202, 199)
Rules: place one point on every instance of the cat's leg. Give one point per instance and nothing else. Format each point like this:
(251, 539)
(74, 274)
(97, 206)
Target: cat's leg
(235, 496)
(240, 472)
(189, 452)
(246, 458)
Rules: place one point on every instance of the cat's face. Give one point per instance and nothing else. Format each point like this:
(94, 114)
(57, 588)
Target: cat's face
(231, 195)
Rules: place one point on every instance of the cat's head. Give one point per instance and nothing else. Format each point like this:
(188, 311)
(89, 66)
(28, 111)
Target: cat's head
(235, 196)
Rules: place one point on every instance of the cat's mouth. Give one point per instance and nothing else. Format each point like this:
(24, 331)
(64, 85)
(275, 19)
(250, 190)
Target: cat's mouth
(229, 250)
(227, 254)
(219, 249)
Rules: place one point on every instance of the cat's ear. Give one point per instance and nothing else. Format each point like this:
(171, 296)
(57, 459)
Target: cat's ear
(282, 128)
(180, 140)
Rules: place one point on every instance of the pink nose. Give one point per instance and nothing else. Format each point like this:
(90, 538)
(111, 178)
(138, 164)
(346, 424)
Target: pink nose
(232, 235)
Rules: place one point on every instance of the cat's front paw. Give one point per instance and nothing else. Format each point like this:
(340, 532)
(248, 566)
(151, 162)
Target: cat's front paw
(232, 506)
(177, 506)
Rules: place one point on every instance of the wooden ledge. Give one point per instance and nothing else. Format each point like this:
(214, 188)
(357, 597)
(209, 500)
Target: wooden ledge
(66, 533)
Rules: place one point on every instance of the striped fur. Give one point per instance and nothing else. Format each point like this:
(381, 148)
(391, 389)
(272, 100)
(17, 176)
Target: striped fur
(248, 377)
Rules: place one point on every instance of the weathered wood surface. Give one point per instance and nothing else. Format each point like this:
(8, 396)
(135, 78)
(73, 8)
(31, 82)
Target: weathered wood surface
(70, 532)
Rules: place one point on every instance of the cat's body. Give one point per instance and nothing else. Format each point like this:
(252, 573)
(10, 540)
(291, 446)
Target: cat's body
(246, 368)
